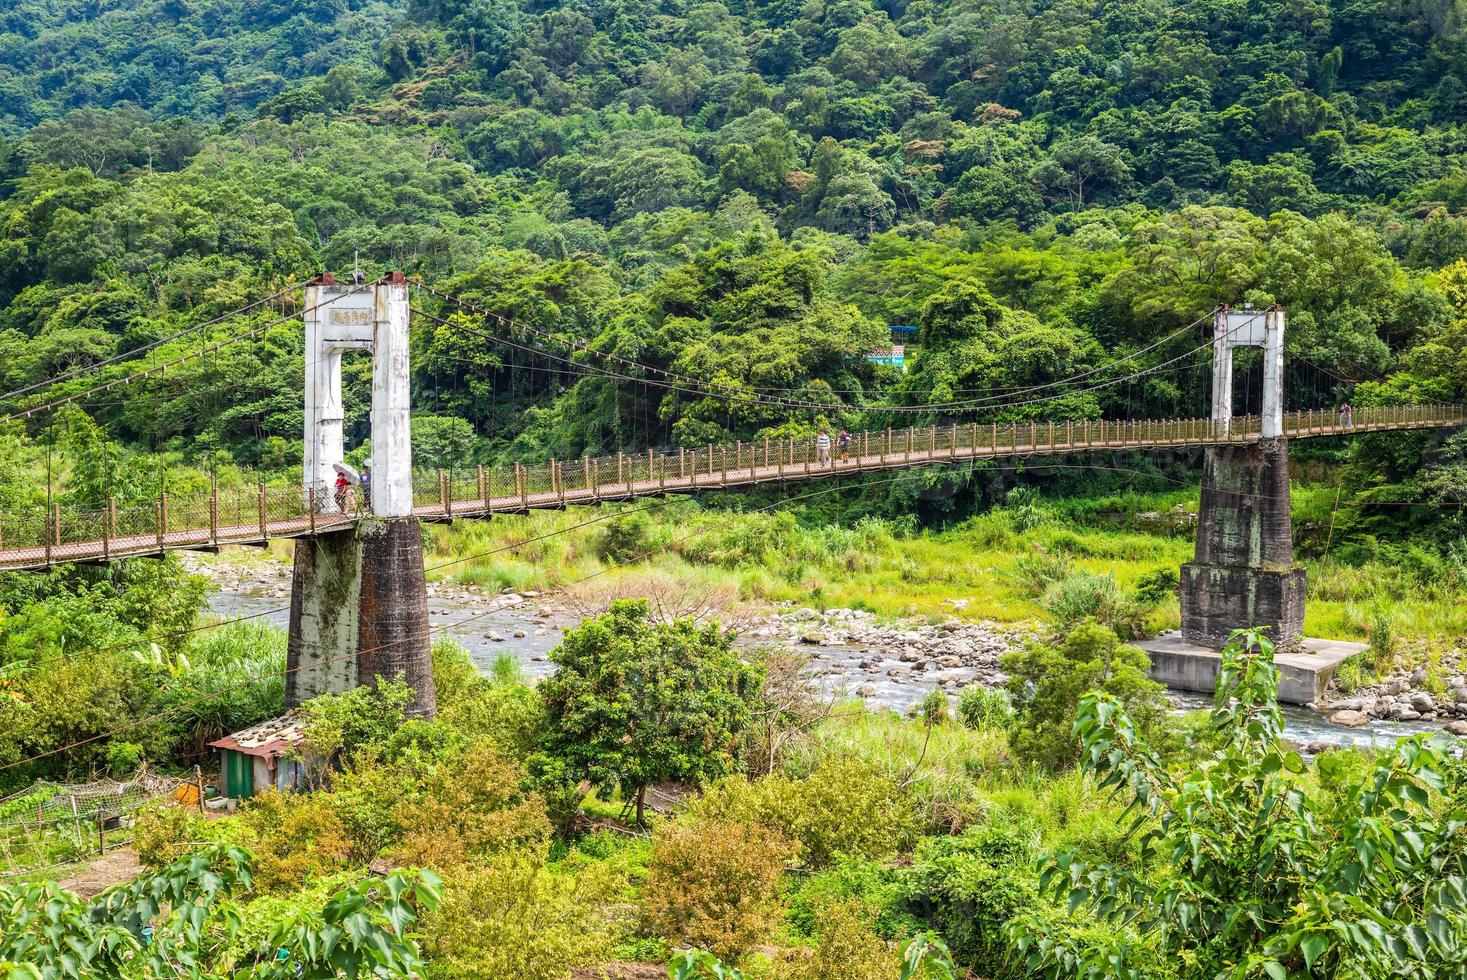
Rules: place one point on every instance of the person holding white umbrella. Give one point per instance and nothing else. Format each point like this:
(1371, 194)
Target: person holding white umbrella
(346, 478)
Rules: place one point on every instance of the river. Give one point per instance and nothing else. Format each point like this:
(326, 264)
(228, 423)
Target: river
(529, 631)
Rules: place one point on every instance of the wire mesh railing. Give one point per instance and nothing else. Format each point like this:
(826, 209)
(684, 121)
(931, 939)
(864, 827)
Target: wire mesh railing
(48, 825)
(38, 538)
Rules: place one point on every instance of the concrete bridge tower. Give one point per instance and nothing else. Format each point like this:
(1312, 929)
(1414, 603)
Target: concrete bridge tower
(359, 604)
(1243, 573)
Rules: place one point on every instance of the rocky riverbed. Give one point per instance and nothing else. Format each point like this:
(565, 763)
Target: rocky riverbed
(852, 653)
(874, 659)
(1402, 697)
(888, 663)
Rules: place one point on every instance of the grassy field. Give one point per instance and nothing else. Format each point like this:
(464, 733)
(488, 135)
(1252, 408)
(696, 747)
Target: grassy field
(993, 564)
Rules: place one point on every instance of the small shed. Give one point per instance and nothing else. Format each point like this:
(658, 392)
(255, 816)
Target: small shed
(253, 760)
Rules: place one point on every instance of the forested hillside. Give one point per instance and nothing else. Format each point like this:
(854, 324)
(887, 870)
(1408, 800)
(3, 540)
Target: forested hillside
(731, 204)
(748, 193)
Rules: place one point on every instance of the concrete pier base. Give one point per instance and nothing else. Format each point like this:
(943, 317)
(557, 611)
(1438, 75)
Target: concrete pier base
(394, 617)
(1243, 574)
(325, 617)
(359, 610)
(1304, 671)
(1217, 599)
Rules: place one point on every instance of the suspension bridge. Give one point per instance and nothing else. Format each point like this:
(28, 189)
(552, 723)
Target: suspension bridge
(359, 602)
(213, 518)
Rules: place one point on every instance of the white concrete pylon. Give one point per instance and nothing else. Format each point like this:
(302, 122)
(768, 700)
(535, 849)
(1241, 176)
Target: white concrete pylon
(1249, 328)
(392, 447)
(372, 317)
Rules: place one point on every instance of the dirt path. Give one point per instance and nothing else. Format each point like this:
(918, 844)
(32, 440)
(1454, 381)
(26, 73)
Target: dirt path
(111, 869)
(621, 971)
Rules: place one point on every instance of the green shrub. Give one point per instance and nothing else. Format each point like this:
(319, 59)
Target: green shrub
(123, 758)
(507, 670)
(1047, 683)
(235, 678)
(626, 538)
(454, 672)
(1089, 595)
(875, 886)
(165, 831)
(1382, 638)
(846, 947)
(1036, 570)
(1063, 541)
(365, 795)
(509, 716)
(1354, 672)
(713, 884)
(985, 708)
(469, 808)
(1025, 509)
(972, 885)
(299, 837)
(424, 743)
(341, 724)
(934, 707)
(513, 916)
(1158, 585)
(845, 807)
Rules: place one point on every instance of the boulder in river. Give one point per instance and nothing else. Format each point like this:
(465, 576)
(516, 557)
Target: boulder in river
(1349, 719)
(1458, 727)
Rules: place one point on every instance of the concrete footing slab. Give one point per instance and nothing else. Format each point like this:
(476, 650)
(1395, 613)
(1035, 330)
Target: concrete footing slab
(1305, 670)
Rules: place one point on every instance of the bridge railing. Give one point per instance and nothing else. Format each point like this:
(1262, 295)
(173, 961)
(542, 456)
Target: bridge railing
(51, 535)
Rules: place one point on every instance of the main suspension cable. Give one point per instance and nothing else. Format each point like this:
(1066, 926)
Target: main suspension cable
(631, 363)
(750, 397)
(247, 335)
(116, 358)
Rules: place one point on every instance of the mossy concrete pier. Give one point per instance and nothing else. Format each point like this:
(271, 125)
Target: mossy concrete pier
(1244, 574)
(358, 611)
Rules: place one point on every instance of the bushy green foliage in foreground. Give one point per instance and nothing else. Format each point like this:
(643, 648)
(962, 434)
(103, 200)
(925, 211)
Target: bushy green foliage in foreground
(634, 702)
(1233, 858)
(1263, 880)
(175, 920)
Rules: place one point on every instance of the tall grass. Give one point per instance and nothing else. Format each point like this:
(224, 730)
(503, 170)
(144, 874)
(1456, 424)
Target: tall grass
(1002, 562)
(234, 678)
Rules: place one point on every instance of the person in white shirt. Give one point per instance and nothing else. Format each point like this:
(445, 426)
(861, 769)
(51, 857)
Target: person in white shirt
(822, 447)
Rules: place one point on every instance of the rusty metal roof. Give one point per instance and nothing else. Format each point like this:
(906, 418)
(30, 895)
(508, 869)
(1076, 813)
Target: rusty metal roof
(269, 739)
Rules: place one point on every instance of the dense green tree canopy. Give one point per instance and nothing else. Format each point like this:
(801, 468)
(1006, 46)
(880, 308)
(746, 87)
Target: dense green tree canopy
(635, 702)
(742, 199)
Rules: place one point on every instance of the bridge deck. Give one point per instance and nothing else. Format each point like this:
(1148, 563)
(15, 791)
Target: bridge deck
(42, 539)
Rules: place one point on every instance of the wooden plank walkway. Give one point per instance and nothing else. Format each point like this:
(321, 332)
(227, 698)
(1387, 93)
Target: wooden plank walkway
(41, 540)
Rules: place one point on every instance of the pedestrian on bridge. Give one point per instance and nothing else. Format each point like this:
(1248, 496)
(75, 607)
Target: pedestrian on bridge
(822, 447)
(1347, 416)
(343, 487)
(845, 444)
